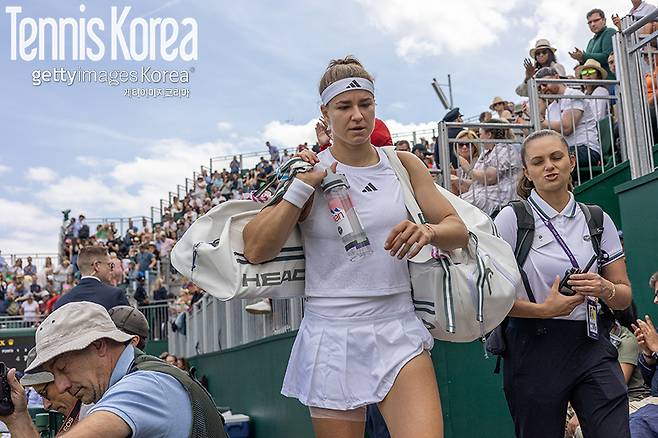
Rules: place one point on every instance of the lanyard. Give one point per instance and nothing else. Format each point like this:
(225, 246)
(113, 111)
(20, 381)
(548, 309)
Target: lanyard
(559, 239)
(71, 418)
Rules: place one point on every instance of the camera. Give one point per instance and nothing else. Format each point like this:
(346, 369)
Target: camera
(6, 405)
(564, 287)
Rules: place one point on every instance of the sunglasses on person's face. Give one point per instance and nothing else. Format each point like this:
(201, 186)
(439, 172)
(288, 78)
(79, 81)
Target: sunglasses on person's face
(593, 20)
(588, 72)
(464, 145)
(541, 52)
(44, 391)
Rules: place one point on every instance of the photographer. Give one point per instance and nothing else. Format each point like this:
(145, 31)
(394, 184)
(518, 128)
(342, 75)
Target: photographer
(131, 391)
(558, 341)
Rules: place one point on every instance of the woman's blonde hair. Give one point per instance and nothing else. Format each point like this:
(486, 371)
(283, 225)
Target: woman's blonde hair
(348, 67)
(525, 186)
(469, 134)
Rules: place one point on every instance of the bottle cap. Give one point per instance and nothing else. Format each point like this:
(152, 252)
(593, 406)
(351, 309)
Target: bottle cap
(334, 180)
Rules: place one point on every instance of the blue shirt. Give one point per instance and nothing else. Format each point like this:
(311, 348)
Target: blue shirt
(143, 260)
(147, 401)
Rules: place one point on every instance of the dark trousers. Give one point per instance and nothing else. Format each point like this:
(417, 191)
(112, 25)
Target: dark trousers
(551, 362)
(586, 155)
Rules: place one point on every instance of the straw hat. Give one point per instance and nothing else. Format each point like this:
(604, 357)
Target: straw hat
(496, 100)
(592, 63)
(542, 44)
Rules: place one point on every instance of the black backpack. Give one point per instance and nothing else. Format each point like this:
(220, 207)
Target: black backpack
(525, 233)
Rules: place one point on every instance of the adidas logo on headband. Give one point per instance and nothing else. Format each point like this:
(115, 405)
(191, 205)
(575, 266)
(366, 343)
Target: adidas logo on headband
(347, 84)
(353, 84)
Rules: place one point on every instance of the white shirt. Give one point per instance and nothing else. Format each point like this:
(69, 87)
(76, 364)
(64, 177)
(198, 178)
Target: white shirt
(600, 107)
(585, 132)
(642, 10)
(547, 259)
(376, 195)
(30, 311)
(505, 158)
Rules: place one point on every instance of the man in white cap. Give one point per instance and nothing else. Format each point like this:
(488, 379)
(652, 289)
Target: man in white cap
(134, 395)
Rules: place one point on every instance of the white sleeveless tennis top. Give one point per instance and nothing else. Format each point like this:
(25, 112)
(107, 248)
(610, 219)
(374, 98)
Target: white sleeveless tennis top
(377, 197)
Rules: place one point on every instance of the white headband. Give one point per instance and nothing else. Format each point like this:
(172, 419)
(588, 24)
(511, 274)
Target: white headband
(347, 84)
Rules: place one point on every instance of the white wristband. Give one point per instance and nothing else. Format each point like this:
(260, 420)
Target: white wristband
(298, 193)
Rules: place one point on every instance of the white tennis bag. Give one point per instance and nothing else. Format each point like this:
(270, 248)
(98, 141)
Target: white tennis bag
(463, 294)
(223, 271)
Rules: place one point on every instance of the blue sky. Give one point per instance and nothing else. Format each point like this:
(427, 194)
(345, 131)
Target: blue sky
(89, 148)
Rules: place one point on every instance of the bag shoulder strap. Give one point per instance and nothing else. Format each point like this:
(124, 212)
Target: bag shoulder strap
(525, 232)
(407, 189)
(594, 218)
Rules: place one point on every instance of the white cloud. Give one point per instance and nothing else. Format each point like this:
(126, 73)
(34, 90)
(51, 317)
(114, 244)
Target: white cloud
(24, 216)
(41, 174)
(289, 135)
(224, 126)
(91, 161)
(425, 28)
(4, 168)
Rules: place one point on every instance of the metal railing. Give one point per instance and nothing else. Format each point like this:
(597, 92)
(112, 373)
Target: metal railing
(489, 169)
(211, 325)
(38, 260)
(593, 131)
(158, 314)
(19, 321)
(637, 70)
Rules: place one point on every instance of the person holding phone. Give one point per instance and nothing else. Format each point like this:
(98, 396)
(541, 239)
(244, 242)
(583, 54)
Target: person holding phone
(558, 346)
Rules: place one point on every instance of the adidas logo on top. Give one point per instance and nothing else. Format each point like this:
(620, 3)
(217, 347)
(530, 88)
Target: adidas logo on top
(353, 84)
(369, 188)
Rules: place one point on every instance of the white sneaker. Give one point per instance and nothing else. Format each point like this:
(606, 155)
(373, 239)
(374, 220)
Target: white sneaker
(260, 308)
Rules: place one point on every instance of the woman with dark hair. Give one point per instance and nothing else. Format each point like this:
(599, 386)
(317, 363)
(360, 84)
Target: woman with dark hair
(360, 342)
(493, 175)
(544, 55)
(558, 335)
(592, 70)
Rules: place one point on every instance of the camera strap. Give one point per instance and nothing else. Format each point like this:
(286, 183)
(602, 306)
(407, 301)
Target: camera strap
(71, 418)
(558, 238)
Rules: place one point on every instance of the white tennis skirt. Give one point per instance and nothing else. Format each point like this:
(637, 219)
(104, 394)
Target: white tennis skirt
(348, 351)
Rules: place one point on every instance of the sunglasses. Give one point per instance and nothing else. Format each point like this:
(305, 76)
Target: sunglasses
(44, 391)
(464, 145)
(541, 52)
(588, 72)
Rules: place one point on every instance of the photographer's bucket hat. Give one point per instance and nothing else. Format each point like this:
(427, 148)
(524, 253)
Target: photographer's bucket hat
(73, 327)
(31, 379)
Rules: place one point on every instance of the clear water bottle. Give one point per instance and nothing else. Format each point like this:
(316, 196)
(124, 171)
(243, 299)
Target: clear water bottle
(349, 226)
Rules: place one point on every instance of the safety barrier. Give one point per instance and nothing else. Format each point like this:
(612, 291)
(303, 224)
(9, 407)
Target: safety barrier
(157, 314)
(498, 158)
(595, 128)
(211, 325)
(38, 260)
(19, 321)
(634, 52)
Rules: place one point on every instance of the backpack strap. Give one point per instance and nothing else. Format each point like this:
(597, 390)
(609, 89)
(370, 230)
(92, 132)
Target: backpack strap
(525, 232)
(594, 218)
